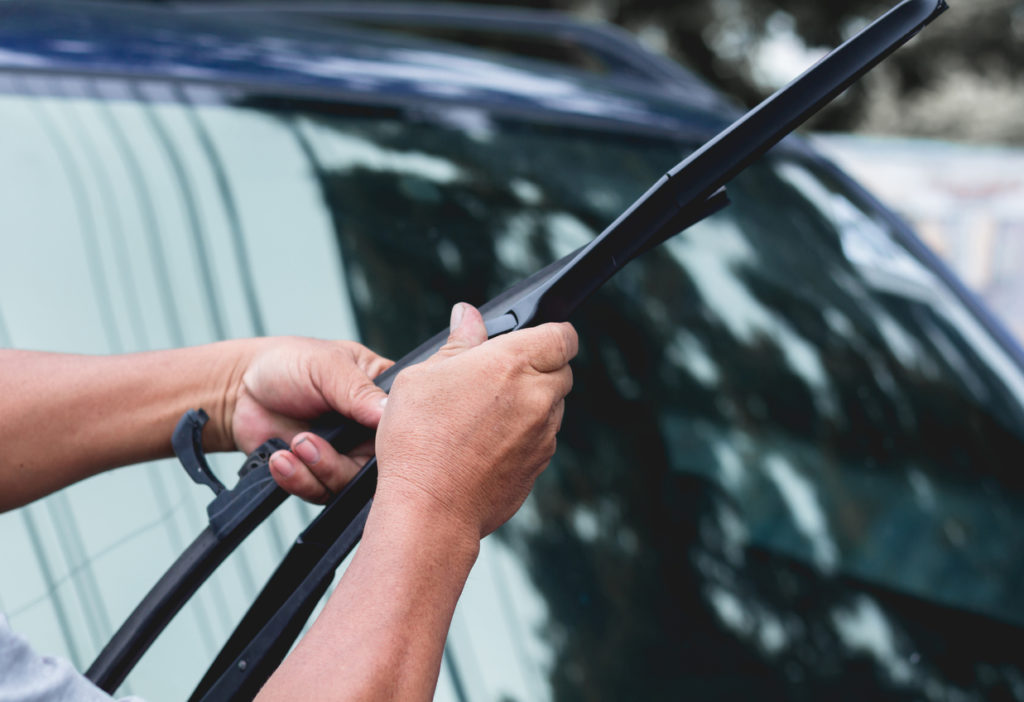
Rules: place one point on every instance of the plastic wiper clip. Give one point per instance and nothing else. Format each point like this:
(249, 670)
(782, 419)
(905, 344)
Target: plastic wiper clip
(187, 441)
(255, 492)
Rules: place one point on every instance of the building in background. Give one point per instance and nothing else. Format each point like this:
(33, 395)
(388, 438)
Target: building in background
(966, 202)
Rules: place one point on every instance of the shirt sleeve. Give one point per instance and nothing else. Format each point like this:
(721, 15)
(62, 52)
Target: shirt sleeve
(26, 676)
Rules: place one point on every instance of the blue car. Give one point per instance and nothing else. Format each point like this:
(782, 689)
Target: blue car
(790, 468)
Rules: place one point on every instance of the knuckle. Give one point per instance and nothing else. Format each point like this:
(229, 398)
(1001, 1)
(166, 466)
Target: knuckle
(572, 339)
(324, 469)
(552, 448)
(538, 406)
(379, 365)
(362, 390)
(506, 363)
(304, 487)
(566, 382)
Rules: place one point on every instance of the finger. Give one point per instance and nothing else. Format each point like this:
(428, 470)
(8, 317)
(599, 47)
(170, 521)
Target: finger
(331, 469)
(364, 451)
(351, 392)
(257, 424)
(467, 330)
(295, 478)
(561, 381)
(557, 413)
(548, 347)
(368, 361)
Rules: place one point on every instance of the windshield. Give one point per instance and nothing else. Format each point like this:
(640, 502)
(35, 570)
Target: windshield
(788, 465)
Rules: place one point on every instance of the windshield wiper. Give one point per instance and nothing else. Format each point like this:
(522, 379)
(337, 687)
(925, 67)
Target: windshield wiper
(690, 191)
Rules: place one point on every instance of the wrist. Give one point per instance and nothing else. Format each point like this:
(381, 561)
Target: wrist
(390, 613)
(409, 510)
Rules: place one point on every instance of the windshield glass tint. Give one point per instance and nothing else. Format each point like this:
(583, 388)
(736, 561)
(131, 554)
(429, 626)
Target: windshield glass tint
(787, 468)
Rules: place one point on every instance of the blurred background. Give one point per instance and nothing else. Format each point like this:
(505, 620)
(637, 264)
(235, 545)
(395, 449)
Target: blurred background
(935, 131)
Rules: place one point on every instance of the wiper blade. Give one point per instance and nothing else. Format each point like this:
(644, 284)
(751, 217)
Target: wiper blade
(275, 618)
(235, 513)
(687, 193)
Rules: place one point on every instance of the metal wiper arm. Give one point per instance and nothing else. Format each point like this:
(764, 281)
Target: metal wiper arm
(687, 193)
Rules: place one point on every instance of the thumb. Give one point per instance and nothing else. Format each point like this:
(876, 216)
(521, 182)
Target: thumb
(467, 330)
(362, 400)
(348, 389)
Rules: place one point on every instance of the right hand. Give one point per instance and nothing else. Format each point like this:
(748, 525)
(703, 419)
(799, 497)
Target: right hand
(465, 433)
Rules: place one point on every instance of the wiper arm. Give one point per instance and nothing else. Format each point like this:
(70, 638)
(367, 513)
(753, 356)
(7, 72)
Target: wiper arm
(687, 193)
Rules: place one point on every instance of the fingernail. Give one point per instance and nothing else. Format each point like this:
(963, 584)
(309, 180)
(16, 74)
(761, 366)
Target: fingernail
(305, 450)
(383, 401)
(457, 313)
(282, 465)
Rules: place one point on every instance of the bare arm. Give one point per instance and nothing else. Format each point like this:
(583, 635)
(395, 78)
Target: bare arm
(65, 417)
(382, 633)
(460, 444)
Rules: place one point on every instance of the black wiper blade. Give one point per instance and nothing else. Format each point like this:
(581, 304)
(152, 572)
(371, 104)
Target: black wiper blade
(687, 193)
(235, 513)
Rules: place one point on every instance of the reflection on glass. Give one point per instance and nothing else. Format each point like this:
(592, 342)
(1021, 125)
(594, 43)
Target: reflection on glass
(788, 468)
(134, 225)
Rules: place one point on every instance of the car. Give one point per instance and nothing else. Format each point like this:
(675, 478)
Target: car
(789, 467)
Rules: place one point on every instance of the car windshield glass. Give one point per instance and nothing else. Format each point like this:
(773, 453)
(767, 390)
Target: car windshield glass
(788, 465)
(787, 361)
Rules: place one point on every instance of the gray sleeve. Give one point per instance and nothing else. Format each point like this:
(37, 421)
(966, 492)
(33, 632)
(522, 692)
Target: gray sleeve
(26, 676)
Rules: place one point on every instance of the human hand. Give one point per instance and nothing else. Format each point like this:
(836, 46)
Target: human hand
(466, 433)
(289, 381)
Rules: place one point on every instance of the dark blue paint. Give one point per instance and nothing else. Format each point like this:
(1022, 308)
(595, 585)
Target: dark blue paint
(272, 56)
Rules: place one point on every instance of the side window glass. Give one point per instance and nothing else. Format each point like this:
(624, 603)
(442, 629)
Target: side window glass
(133, 221)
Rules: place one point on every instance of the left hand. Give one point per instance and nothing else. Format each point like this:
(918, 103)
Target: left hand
(289, 381)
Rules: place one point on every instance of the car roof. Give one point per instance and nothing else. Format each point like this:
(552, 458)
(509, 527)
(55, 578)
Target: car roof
(262, 53)
(515, 31)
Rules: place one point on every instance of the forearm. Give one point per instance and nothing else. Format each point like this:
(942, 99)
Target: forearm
(382, 633)
(65, 417)
(463, 437)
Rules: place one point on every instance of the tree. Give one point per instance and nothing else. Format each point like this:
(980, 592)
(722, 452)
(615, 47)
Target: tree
(959, 79)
